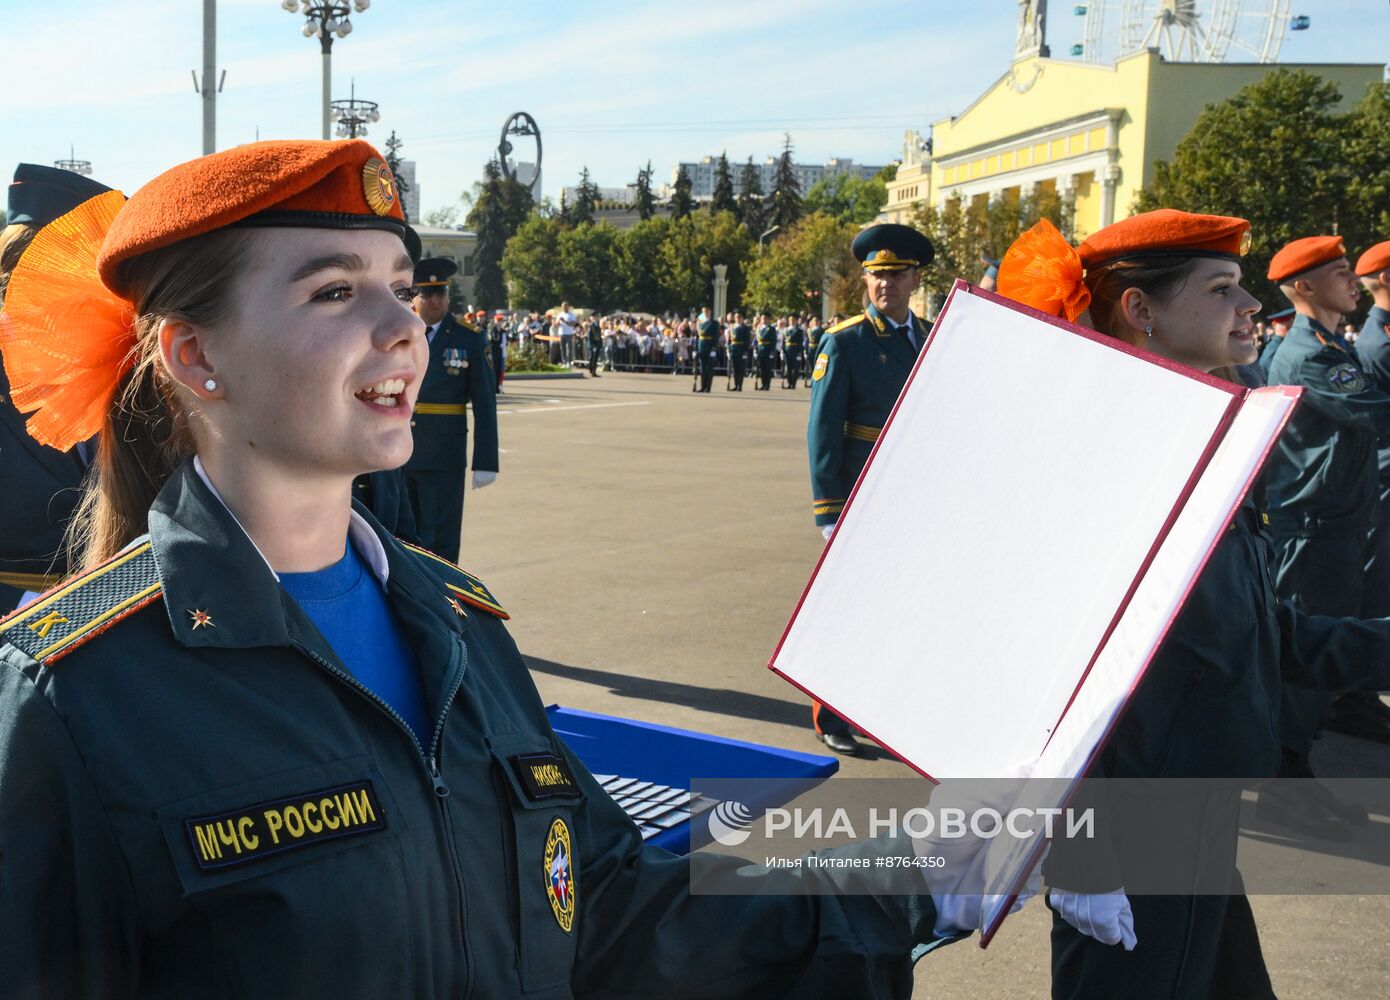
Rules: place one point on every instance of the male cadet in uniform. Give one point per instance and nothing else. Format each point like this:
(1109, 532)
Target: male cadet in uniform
(767, 353)
(458, 374)
(814, 332)
(1323, 494)
(793, 352)
(740, 350)
(594, 332)
(40, 485)
(1279, 323)
(1362, 713)
(706, 339)
(861, 366)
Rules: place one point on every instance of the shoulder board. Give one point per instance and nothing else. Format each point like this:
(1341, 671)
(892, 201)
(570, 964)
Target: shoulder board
(83, 608)
(467, 325)
(468, 587)
(845, 324)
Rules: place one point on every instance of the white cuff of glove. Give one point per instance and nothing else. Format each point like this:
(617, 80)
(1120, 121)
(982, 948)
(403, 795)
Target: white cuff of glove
(1105, 916)
(826, 530)
(481, 479)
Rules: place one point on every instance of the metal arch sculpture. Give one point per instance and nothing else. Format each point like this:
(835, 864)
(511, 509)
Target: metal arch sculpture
(519, 124)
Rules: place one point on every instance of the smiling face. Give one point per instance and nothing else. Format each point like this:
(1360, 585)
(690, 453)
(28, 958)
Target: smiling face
(1207, 323)
(1333, 287)
(319, 365)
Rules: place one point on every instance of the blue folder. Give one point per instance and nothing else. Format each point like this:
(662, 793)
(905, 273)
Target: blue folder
(668, 756)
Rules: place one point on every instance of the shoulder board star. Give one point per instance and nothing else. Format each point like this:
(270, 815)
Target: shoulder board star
(462, 584)
(845, 324)
(81, 609)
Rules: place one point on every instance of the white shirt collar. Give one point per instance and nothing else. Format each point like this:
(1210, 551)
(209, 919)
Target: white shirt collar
(360, 533)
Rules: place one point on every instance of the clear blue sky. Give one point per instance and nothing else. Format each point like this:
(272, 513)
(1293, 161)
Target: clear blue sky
(612, 83)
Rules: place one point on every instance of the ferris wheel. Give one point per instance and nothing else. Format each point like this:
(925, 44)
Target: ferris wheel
(1186, 30)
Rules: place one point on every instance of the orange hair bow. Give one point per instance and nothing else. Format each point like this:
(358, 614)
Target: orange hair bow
(66, 339)
(1041, 269)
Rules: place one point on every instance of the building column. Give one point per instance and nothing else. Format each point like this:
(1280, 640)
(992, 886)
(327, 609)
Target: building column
(1110, 180)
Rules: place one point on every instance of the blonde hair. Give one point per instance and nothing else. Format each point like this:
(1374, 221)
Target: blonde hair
(14, 240)
(146, 436)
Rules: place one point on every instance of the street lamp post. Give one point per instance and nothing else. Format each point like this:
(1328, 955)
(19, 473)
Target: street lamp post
(83, 167)
(326, 21)
(353, 116)
(765, 236)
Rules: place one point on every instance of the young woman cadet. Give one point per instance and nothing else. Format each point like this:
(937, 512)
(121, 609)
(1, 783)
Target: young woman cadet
(1208, 707)
(260, 748)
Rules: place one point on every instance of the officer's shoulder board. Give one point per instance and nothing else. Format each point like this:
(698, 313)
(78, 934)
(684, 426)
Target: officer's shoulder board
(467, 325)
(82, 608)
(845, 324)
(467, 587)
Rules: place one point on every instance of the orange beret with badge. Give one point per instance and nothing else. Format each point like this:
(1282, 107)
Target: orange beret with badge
(1041, 269)
(67, 332)
(1374, 260)
(1301, 256)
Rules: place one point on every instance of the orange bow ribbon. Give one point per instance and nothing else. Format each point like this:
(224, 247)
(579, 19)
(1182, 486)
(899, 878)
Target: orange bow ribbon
(1041, 269)
(66, 339)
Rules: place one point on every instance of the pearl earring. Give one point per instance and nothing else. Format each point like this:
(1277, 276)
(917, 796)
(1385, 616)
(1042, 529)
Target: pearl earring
(1149, 330)
(210, 385)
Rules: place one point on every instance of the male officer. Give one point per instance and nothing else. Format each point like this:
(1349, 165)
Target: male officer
(793, 351)
(40, 485)
(458, 374)
(1362, 713)
(1279, 323)
(1323, 496)
(861, 367)
(815, 329)
(706, 340)
(594, 332)
(740, 350)
(767, 353)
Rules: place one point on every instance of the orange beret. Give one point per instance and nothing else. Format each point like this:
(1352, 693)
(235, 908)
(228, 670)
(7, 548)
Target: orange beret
(1166, 233)
(1374, 260)
(301, 183)
(1304, 255)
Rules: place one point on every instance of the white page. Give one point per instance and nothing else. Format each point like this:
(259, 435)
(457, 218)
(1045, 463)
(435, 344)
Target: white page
(1011, 502)
(1145, 621)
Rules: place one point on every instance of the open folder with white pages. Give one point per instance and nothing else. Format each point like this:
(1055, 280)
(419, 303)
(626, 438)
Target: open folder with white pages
(1031, 520)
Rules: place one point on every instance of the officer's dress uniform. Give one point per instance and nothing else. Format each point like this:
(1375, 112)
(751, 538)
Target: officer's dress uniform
(861, 368)
(1208, 707)
(1323, 490)
(794, 354)
(198, 798)
(706, 340)
(813, 336)
(767, 355)
(458, 374)
(1373, 351)
(740, 352)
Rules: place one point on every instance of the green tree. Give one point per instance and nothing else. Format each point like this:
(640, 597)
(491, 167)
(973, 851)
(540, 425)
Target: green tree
(784, 203)
(586, 199)
(751, 209)
(445, 217)
(693, 245)
(585, 275)
(847, 198)
(646, 201)
(723, 200)
(634, 260)
(1272, 153)
(681, 202)
(792, 271)
(888, 174)
(1367, 156)
(529, 263)
(500, 206)
(393, 160)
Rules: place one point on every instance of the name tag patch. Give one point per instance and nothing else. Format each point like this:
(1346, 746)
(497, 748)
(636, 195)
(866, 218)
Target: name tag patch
(545, 776)
(258, 831)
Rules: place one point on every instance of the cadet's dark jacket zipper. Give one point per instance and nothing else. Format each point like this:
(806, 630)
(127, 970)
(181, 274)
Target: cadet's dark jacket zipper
(431, 762)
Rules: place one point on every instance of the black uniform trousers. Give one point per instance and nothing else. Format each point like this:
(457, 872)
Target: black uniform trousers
(706, 362)
(738, 357)
(794, 361)
(436, 500)
(766, 359)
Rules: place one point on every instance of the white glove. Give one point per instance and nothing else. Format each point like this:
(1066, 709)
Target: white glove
(481, 479)
(1104, 916)
(964, 857)
(826, 531)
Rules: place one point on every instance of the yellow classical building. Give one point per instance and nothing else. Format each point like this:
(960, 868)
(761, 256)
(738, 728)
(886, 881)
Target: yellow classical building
(1090, 132)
